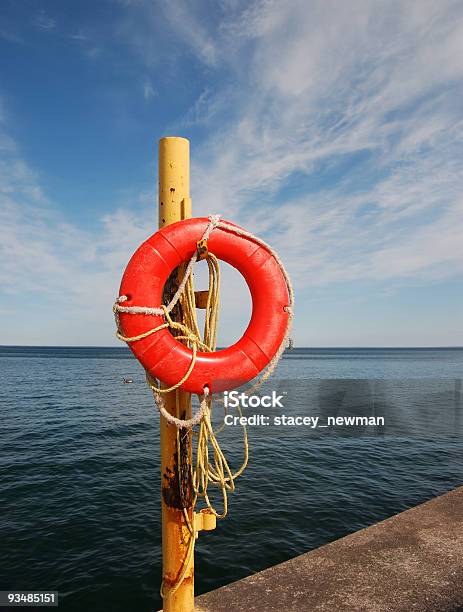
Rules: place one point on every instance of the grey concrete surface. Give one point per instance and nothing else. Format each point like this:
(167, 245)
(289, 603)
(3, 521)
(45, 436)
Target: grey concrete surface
(410, 562)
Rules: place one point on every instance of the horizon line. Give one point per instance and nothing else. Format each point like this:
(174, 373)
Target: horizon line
(98, 346)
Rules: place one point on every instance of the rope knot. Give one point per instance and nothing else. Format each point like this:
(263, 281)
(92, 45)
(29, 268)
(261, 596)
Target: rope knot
(119, 300)
(214, 220)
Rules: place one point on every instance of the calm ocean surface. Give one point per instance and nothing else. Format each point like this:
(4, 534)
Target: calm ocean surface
(79, 467)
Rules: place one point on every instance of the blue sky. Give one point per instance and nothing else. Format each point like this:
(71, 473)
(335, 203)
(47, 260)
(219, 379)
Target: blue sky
(331, 129)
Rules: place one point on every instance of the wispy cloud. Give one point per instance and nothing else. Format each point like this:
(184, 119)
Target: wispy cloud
(79, 36)
(334, 130)
(148, 90)
(161, 32)
(10, 35)
(359, 107)
(59, 281)
(44, 22)
(53, 271)
(189, 27)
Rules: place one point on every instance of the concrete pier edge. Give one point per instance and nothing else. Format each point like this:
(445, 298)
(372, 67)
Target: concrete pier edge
(411, 561)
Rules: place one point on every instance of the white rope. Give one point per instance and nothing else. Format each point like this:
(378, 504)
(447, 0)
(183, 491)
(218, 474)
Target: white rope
(214, 222)
(268, 371)
(180, 423)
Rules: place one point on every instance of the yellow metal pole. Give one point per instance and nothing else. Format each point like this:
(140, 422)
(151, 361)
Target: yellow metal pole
(176, 485)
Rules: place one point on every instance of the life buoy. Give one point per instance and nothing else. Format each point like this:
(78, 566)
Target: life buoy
(167, 359)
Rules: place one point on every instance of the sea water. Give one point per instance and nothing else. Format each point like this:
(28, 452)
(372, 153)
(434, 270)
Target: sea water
(80, 482)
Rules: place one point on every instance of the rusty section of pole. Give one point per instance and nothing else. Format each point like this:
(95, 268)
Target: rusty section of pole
(176, 484)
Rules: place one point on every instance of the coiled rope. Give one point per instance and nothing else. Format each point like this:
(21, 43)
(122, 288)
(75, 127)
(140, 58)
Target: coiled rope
(217, 472)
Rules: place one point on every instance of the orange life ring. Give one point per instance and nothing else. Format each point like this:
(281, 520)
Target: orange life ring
(167, 359)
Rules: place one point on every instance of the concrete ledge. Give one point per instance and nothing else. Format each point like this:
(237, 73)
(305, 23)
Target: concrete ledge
(412, 561)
